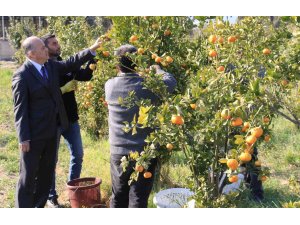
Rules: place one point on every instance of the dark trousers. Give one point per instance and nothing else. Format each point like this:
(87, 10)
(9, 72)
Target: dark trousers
(134, 196)
(36, 171)
(255, 185)
(253, 182)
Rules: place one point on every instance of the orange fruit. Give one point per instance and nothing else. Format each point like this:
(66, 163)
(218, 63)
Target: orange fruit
(212, 39)
(235, 122)
(153, 56)
(92, 66)
(225, 114)
(266, 119)
(105, 53)
(133, 38)
(193, 106)
(212, 53)
(105, 37)
(139, 168)
(267, 138)
(89, 85)
(221, 40)
(164, 63)
(141, 51)
(266, 51)
(231, 39)
(167, 33)
(257, 163)
(244, 129)
(183, 66)
(147, 175)
(284, 82)
(233, 178)
(158, 59)
(155, 26)
(178, 120)
(169, 59)
(263, 178)
(251, 139)
(249, 150)
(247, 124)
(232, 164)
(220, 68)
(257, 132)
(245, 157)
(169, 146)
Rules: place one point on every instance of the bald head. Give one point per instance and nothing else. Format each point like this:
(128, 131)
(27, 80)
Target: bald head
(30, 43)
(34, 48)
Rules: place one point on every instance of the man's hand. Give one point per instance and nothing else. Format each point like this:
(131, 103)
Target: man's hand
(24, 146)
(96, 45)
(70, 86)
(157, 69)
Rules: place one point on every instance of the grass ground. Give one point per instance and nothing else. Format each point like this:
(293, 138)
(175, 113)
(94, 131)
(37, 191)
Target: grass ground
(282, 155)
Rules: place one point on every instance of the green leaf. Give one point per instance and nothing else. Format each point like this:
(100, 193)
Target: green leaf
(120, 100)
(223, 160)
(134, 131)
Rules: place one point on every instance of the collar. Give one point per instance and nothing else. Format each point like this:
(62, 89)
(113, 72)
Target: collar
(56, 58)
(127, 74)
(36, 65)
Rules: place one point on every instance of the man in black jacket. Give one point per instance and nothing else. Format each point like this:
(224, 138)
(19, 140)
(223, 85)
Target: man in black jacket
(39, 111)
(72, 134)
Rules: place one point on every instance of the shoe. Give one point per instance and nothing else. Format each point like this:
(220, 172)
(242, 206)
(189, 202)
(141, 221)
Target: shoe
(53, 203)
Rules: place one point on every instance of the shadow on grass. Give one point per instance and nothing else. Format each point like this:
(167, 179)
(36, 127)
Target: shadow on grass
(273, 198)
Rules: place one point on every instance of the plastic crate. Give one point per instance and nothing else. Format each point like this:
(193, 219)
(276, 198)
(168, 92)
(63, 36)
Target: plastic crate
(174, 198)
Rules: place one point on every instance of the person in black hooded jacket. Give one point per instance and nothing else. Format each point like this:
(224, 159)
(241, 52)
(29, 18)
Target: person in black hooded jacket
(72, 134)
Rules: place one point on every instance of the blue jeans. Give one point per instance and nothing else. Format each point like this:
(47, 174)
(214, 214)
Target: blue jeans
(73, 140)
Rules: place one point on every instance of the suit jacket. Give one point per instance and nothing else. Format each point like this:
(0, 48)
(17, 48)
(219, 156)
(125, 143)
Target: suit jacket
(38, 105)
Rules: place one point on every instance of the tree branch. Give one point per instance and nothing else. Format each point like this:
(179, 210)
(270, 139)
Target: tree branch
(297, 122)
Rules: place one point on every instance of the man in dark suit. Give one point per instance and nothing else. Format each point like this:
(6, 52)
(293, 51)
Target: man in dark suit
(39, 112)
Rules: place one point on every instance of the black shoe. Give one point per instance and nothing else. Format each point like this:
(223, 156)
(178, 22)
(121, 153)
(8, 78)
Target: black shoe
(53, 203)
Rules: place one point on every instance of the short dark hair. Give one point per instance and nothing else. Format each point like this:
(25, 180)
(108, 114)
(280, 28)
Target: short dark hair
(46, 37)
(126, 64)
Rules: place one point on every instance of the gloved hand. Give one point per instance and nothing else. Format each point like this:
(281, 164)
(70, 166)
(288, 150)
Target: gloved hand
(70, 86)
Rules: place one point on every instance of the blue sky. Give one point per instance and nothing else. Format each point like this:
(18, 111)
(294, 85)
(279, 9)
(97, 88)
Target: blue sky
(231, 19)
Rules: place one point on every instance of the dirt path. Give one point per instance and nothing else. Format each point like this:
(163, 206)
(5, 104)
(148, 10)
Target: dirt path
(8, 65)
